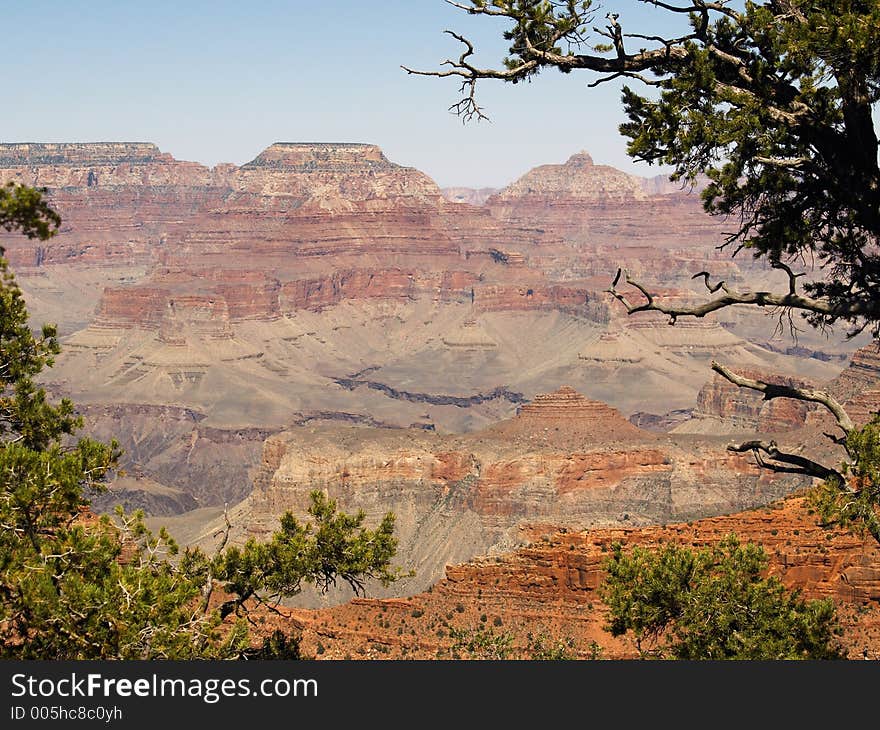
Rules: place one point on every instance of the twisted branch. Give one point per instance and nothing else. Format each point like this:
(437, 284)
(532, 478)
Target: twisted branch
(785, 462)
(791, 300)
(772, 390)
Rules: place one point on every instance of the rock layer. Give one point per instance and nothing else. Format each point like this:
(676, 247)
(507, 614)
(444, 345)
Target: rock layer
(733, 409)
(550, 588)
(588, 204)
(563, 460)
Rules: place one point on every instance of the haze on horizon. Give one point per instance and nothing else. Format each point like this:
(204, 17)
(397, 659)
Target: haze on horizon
(221, 81)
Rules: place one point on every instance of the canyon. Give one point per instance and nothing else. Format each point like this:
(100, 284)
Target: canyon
(323, 318)
(563, 459)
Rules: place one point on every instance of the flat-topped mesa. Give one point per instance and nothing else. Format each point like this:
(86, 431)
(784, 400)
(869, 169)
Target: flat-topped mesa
(333, 178)
(321, 157)
(99, 187)
(80, 153)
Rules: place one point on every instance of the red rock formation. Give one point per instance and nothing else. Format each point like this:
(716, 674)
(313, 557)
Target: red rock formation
(563, 459)
(321, 223)
(862, 373)
(596, 204)
(142, 305)
(321, 292)
(746, 409)
(540, 296)
(550, 587)
(863, 406)
(117, 200)
(590, 420)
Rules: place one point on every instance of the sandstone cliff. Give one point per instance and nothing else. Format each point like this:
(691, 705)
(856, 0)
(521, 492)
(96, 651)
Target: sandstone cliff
(550, 588)
(591, 204)
(564, 460)
(722, 407)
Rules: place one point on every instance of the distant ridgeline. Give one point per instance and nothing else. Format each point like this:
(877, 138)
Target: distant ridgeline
(72, 153)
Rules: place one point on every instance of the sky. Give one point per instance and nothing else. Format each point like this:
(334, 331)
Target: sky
(220, 81)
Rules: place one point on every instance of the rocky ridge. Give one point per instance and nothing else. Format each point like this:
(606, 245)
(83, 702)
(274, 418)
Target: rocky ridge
(550, 587)
(564, 460)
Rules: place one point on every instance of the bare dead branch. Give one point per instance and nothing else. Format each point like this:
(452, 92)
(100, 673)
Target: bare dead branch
(712, 289)
(208, 589)
(772, 390)
(569, 26)
(783, 162)
(623, 75)
(731, 297)
(464, 69)
(785, 462)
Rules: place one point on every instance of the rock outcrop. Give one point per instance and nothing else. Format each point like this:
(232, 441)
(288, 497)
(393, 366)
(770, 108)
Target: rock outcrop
(660, 422)
(564, 460)
(589, 204)
(118, 201)
(723, 407)
(173, 461)
(592, 421)
(550, 587)
(861, 374)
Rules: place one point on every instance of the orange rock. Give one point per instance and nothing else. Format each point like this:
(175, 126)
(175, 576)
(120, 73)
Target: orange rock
(550, 588)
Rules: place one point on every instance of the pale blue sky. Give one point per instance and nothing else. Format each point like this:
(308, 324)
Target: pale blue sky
(219, 81)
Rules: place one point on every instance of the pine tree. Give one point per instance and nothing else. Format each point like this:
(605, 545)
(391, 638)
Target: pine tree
(713, 604)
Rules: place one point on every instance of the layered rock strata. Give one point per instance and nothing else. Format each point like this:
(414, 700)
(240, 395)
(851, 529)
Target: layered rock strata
(563, 460)
(732, 409)
(589, 204)
(550, 587)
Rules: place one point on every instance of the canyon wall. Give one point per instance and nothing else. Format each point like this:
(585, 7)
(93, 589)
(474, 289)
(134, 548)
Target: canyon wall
(325, 283)
(564, 460)
(589, 204)
(723, 407)
(549, 588)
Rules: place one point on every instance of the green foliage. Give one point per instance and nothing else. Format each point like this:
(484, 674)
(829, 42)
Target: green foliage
(776, 110)
(481, 643)
(278, 645)
(853, 504)
(74, 586)
(544, 648)
(23, 209)
(540, 24)
(774, 102)
(713, 603)
(335, 546)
